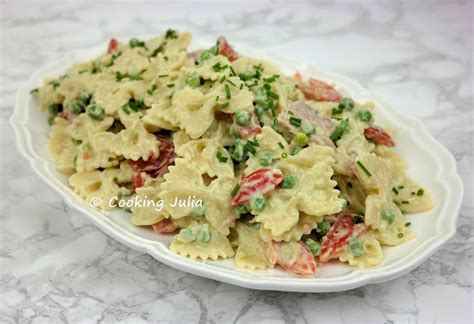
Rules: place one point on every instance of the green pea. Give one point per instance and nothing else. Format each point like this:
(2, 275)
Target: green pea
(242, 118)
(308, 129)
(323, 227)
(85, 97)
(208, 53)
(237, 152)
(364, 115)
(75, 107)
(204, 234)
(288, 181)
(135, 42)
(186, 235)
(243, 209)
(198, 212)
(388, 216)
(53, 110)
(193, 81)
(346, 104)
(245, 76)
(258, 204)
(356, 246)
(301, 138)
(95, 111)
(313, 246)
(266, 158)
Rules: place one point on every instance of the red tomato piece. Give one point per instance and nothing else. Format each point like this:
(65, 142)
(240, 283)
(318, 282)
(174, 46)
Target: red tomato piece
(137, 180)
(317, 89)
(257, 183)
(224, 48)
(165, 226)
(341, 231)
(157, 166)
(303, 264)
(113, 43)
(378, 136)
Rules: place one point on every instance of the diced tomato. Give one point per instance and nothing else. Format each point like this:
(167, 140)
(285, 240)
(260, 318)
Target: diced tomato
(252, 129)
(157, 166)
(165, 226)
(258, 182)
(137, 181)
(85, 156)
(303, 264)
(378, 136)
(113, 43)
(224, 48)
(317, 89)
(342, 230)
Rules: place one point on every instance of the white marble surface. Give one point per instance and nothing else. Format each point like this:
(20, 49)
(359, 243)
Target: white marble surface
(57, 267)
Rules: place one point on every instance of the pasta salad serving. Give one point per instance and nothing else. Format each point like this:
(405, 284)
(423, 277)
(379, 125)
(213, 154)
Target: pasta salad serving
(229, 156)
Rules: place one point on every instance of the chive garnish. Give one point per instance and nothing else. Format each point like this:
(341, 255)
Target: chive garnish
(295, 121)
(170, 85)
(364, 169)
(231, 83)
(400, 235)
(280, 144)
(33, 91)
(284, 155)
(217, 98)
(420, 192)
(222, 79)
(232, 71)
(241, 86)
(405, 202)
(227, 91)
(163, 75)
(235, 190)
(225, 105)
(395, 191)
(407, 224)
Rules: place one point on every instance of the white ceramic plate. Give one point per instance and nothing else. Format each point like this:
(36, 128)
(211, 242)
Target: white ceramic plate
(429, 163)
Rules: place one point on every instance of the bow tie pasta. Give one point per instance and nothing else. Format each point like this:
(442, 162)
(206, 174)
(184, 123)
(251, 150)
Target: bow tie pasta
(229, 157)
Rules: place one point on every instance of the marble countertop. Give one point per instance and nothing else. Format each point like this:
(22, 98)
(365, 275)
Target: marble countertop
(57, 267)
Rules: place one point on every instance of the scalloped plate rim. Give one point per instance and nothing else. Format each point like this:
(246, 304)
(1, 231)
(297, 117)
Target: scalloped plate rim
(157, 250)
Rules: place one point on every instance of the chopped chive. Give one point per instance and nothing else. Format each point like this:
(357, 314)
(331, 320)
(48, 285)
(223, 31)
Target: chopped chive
(171, 33)
(76, 141)
(280, 144)
(273, 95)
(163, 75)
(235, 190)
(413, 193)
(407, 224)
(170, 85)
(290, 113)
(217, 98)
(395, 191)
(295, 121)
(225, 105)
(364, 169)
(401, 187)
(222, 79)
(151, 90)
(405, 202)
(241, 86)
(35, 90)
(125, 109)
(400, 235)
(284, 155)
(231, 83)
(271, 79)
(232, 71)
(227, 91)
(165, 58)
(420, 192)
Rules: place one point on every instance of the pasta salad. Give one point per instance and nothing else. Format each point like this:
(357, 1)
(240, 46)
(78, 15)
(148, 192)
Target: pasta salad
(229, 156)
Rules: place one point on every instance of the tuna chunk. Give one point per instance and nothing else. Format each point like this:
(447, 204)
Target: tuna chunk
(324, 125)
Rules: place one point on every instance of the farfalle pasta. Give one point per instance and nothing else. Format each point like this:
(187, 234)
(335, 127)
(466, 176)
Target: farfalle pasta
(229, 156)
